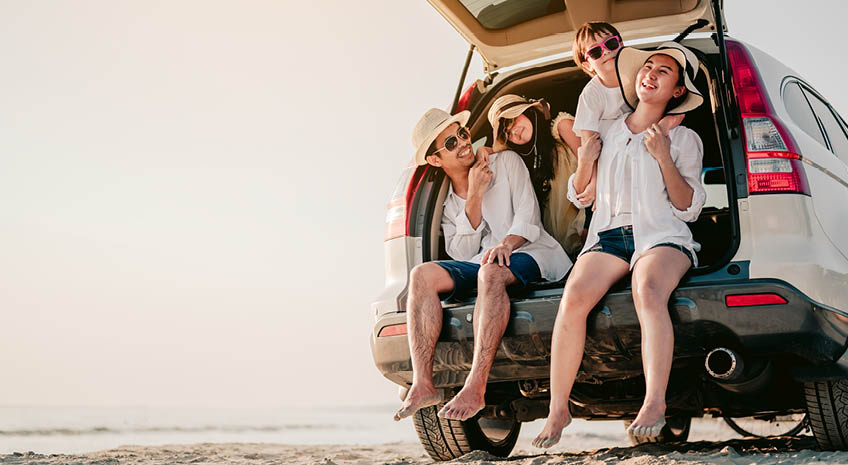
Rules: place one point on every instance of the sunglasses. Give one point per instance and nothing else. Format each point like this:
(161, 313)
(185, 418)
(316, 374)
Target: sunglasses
(612, 44)
(453, 141)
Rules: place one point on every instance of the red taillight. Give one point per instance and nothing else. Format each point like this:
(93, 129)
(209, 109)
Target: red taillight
(773, 162)
(392, 330)
(465, 100)
(401, 201)
(749, 300)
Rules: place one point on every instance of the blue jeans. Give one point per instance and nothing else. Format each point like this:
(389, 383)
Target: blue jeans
(464, 274)
(619, 242)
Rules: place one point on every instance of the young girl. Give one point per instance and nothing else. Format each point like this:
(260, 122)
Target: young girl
(548, 150)
(596, 45)
(648, 185)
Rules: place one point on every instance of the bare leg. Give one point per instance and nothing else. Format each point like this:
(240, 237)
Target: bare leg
(655, 275)
(491, 315)
(424, 323)
(592, 276)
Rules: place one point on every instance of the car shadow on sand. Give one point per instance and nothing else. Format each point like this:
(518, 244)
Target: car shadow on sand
(760, 450)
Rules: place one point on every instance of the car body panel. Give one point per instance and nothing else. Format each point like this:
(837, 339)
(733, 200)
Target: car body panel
(702, 321)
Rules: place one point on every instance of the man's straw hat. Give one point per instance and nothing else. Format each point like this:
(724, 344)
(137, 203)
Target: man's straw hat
(429, 126)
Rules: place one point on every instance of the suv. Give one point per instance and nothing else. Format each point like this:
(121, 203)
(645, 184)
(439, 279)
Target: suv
(761, 326)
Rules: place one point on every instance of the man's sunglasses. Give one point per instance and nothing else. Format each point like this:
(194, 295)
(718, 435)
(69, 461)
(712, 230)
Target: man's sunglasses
(453, 141)
(612, 44)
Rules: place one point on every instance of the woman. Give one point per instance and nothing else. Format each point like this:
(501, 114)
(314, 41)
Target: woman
(648, 185)
(549, 157)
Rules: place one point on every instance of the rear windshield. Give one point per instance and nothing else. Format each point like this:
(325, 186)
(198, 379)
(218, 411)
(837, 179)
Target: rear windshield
(498, 14)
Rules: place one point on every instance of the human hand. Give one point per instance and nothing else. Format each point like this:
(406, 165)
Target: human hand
(670, 122)
(657, 142)
(498, 254)
(479, 178)
(588, 196)
(483, 153)
(590, 148)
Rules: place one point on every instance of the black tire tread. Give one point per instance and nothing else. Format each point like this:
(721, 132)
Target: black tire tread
(440, 437)
(827, 408)
(445, 439)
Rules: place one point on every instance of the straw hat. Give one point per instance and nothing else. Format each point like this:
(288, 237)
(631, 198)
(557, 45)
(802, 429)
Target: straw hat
(429, 126)
(630, 60)
(510, 106)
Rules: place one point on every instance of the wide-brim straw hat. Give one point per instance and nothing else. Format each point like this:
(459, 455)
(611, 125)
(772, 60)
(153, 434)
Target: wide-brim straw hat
(511, 106)
(430, 126)
(630, 60)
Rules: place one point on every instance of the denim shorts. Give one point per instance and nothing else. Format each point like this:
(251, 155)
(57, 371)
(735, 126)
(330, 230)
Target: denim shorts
(464, 274)
(619, 242)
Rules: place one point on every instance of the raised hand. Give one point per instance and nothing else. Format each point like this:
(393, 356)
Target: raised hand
(657, 142)
(670, 122)
(479, 178)
(590, 148)
(483, 153)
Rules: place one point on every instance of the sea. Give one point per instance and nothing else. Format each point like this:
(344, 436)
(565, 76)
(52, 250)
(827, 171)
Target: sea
(67, 430)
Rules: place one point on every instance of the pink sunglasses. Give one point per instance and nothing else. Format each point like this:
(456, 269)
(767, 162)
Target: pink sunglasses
(612, 44)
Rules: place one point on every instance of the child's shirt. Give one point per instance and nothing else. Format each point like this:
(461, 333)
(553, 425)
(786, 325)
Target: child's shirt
(598, 107)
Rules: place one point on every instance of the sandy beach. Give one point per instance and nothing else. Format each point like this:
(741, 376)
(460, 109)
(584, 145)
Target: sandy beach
(735, 451)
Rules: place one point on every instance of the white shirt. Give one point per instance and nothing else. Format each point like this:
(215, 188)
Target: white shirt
(509, 206)
(598, 107)
(655, 219)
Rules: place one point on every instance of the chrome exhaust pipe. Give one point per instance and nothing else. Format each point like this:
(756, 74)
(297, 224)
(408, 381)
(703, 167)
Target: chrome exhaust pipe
(724, 364)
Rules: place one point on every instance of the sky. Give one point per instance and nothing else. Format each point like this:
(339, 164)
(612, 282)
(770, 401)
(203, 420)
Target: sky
(193, 192)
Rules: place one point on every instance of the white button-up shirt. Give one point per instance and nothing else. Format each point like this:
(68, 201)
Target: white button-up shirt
(655, 219)
(509, 206)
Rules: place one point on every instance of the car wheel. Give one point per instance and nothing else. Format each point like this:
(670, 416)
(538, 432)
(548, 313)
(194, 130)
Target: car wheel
(676, 429)
(773, 425)
(827, 407)
(448, 439)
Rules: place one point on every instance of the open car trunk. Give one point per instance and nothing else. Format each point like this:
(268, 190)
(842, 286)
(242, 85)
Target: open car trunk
(560, 84)
(508, 32)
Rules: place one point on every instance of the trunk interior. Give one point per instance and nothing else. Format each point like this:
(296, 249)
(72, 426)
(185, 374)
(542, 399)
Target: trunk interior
(561, 85)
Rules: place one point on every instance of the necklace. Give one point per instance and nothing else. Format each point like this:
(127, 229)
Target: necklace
(533, 148)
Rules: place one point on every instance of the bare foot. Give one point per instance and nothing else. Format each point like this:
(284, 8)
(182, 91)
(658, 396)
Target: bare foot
(464, 405)
(551, 434)
(417, 398)
(648, 424)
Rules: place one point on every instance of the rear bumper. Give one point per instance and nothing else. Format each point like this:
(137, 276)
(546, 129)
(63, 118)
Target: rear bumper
(800, 332)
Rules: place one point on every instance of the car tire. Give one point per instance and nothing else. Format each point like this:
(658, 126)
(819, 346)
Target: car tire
(448, 439)
(827, 410)
(676, 429)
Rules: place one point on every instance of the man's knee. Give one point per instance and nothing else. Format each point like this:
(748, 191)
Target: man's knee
(426, 277)
(493, 276)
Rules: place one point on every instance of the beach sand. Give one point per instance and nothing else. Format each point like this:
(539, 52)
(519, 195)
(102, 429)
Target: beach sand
(735, 451)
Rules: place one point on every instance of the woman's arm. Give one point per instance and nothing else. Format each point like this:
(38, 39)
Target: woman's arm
(684, 161)
(659, 146)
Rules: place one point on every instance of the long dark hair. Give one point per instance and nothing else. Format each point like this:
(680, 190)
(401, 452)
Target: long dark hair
(675, 101)
(539, 154)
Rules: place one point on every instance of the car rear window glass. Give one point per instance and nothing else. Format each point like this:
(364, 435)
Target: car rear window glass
(835, 133)
(800, 111)
(499, 14)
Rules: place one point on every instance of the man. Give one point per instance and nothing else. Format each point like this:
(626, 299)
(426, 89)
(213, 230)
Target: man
(494, 233)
